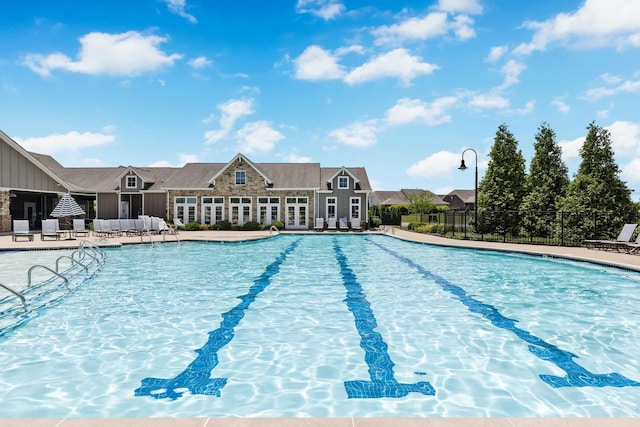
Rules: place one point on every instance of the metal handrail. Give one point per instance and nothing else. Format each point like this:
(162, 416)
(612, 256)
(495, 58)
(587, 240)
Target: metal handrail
(66, 281)
(16, 293)
(274, 228)
(84, 253)
(72, 261)
(93, 247)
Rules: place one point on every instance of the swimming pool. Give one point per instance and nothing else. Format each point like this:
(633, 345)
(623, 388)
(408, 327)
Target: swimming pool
(330, 325)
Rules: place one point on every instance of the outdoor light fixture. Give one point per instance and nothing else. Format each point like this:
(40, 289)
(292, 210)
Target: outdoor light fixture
(463, 167)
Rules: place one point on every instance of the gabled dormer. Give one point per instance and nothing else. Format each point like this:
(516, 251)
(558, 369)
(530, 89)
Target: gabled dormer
(240, 172)
(343, 179)
(134, 179)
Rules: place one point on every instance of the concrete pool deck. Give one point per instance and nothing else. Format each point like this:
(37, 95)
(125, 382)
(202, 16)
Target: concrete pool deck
(631, 262)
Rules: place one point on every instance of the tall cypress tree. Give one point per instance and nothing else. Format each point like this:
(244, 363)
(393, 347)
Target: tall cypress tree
(503, 185)
(600, 200)
(546, 184)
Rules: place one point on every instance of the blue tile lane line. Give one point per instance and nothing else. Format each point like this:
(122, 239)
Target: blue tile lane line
(577, 376)
(382, 382)
(196, 377)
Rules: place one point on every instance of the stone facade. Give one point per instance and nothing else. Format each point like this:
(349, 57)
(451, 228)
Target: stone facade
(5, 214)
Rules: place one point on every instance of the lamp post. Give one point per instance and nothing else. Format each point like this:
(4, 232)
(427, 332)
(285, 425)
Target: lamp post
(463, 168)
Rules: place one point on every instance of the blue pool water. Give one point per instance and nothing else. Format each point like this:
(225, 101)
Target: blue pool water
(330, 325)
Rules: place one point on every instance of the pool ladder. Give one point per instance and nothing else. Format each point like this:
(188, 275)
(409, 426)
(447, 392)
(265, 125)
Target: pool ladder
(85, 249)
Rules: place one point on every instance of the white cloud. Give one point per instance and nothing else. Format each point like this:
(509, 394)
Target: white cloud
(183, 159)
(489, 100)
(294, 158)
(64, 142)
(440, 164)
(258, 137)
(560, 104)
(178, 7)
(396, 63)
(571, 149)
(231, 111)
(358, 134)
(602, 114)
(631, 171)
(496, 53)
(511, 71)
(325, 9)
(625, 138)
(411, 110)
(460, 6)
(597, 23)
(528, 108)
(427, 27)
(200, 62)
(316, 63)
(124, 54)
(617, 85)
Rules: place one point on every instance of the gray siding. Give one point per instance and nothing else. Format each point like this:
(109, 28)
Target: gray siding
(16, 171)
(107, 206)
(155, 204)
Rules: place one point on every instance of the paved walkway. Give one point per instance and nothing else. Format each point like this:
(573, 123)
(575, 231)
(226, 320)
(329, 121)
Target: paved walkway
(602, 257)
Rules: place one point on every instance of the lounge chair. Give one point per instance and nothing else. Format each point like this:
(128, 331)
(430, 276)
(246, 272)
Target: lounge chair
(623, 238)
(79, 228)
(319, 225)
(21, 229)
(631, 247)
(177, 222)
(331, 224)
(51, 228)
(355, 224)
(344, 225)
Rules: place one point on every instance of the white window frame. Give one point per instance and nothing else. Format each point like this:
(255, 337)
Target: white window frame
(297, 212)
(332, 202)
(215, 207)
(241, 175)
(355, 202)
(134, 178)
(343, 182)
(244, 207)
(185, 208)
(271, 207)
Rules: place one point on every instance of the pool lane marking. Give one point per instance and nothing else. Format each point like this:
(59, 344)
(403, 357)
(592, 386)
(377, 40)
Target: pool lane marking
(196, 377)
(382, 382)
(577, 376)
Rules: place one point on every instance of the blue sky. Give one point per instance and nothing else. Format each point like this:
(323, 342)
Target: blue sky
(399, 87)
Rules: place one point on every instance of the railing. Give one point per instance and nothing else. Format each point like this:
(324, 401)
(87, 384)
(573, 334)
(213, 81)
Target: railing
(18, 294)
(35, 297)
(273, 229)
(559, 228)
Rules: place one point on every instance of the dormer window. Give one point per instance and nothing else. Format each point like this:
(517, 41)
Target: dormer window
(132, 181)
(343, 182)
(241, 177)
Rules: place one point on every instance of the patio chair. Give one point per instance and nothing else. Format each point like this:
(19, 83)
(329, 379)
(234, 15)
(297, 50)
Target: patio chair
(51, 229)
(79, 228)
(319, 225)
(355, 224)
(21, 229)
(624, 237)
(344, 225)
(631, 247)
(331, 224)
(177, 222)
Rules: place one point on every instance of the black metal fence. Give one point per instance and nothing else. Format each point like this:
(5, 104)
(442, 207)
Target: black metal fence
(534, 227)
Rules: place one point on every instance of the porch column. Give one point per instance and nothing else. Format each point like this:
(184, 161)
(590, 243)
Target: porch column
(5, 213)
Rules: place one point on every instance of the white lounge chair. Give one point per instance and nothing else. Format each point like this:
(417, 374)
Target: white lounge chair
(79, 228)
(51, 228)
(21, 229)
(344, 225)
(177, 222)
(319, 225)
(623, 238)
(355, 224)
(331, 224)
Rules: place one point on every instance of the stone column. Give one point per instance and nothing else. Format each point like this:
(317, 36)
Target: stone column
(5, 213)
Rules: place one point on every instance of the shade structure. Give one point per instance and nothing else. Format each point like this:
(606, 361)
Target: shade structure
(67, 207)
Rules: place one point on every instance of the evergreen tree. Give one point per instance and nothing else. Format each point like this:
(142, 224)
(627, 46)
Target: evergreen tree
(503, 185)
(546, 184)
(598, 200)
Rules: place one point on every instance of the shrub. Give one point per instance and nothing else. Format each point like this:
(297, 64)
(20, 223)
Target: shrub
(192, 226)
(414, 225)
(223, 225)
(251, 226)
(278, 224)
